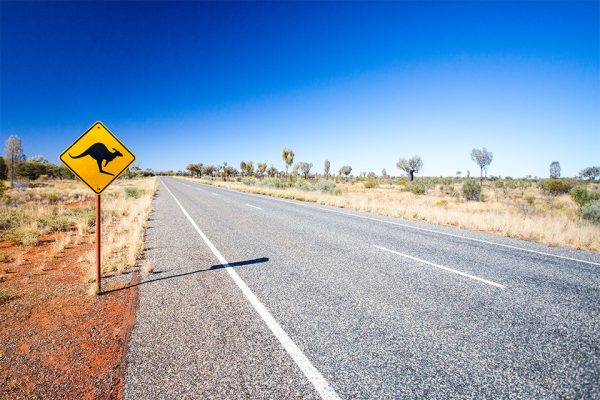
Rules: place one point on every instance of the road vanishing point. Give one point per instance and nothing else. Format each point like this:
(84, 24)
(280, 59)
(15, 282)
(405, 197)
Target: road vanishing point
(260, 297)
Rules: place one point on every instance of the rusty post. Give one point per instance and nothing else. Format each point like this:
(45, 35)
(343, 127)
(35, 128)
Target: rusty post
(98, 249)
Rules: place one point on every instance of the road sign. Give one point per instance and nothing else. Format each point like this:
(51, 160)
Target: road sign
(97, 157)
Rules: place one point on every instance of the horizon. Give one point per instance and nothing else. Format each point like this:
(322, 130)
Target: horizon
(359, 84)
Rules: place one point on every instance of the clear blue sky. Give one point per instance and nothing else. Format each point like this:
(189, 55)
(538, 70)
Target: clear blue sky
(358, 83)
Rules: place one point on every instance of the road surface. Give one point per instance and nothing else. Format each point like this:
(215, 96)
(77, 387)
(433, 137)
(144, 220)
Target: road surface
(258, 297)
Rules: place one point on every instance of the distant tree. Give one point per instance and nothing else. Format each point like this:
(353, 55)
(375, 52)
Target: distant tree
(195, 169)
(384, 173)
(295, 169)
(411, 166)
(272, 171)
(288, 158)
(33, 170)
(64, 173)
(305, 168)
(38, 158)
(590, 173)
(242, 166)
(3, 169)
(261, 168)
(554, 169)
(209, 170)
(458, 174)
(483, 158)
(345, 170)
(326, 168)
(249, 170)
(371, 175)
(13, 151)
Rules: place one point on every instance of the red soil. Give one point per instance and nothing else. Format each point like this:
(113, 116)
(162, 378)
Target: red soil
(58, 341)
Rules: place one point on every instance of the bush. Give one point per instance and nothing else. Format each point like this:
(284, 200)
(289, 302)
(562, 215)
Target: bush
(133, 192)
(417, 188)
(441, 202)
(303, 184)
(557, 186)
(248, 181)
(2, 188)
(273, 183)
(325, 186)
(530, 200)
(471, 189)
(591, 211)
(371, 183)
(581, 196)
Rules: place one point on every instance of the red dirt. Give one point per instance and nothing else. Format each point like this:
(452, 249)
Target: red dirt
(57, 340)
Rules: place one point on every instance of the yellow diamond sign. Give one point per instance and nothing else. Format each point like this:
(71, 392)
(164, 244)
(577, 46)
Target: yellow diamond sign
(97, 157)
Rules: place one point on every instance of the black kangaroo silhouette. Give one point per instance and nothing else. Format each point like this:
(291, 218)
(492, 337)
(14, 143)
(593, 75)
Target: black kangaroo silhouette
(99, 152)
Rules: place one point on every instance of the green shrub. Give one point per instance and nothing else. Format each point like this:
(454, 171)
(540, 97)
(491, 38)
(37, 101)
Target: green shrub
(52, 197)
(326, 186)
(303, 184)
(591, 211)
(556, 186)
(530, 200)
(2, 188)
(417, 188)
(471, 189)
(581, 196)
(248, 181)
(441, 202)
(273, 183)
(371, 183)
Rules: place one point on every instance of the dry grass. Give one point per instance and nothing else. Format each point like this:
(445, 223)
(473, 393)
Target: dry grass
(524, 213)
(64, 211)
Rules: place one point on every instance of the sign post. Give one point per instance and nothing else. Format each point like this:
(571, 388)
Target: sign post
(89, 158)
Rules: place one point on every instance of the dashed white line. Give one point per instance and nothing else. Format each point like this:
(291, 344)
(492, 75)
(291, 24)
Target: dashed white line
(312, 374)
(444, 268)
(250, 205)
(298, 203)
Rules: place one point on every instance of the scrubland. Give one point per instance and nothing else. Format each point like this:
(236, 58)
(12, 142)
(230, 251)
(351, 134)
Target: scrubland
(521, 209)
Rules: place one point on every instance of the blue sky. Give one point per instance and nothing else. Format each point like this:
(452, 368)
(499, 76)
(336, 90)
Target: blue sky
(358, 83)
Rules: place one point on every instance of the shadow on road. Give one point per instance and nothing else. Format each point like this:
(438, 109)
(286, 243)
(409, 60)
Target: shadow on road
(212, 268)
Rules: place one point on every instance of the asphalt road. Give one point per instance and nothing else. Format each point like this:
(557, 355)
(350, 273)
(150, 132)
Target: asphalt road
(325, 302)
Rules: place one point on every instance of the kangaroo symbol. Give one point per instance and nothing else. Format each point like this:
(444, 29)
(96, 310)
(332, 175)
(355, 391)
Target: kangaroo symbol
(99, 152)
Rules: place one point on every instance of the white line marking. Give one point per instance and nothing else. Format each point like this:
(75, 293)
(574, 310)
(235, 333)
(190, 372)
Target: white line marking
(214, 194)
(444, 268)
(250, 205)
(311, 373)
(298, 203)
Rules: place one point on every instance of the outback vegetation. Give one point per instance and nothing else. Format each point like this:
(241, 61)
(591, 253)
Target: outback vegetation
(555, 211)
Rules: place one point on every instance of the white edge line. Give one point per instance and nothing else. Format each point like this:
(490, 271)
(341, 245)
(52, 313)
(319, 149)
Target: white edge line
(250, 205)
(297, 202)
(311, 373)
(444, 268)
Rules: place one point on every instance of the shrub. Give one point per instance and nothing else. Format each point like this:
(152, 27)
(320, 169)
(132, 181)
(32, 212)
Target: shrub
(338, 191)
(326, 186)
(417, 188)
(581, 196)
(441, 202)
(273, 183)
(471, 189)
(52, 197)
(248, 181)
(530, 200)
(370, 183)
(591, 211)
(557, 186)
(2, 188)
(303, 184)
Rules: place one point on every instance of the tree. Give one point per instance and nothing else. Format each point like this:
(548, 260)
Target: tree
(554, 169)
(411, 166)
(249, 169)
(384, 173)
(305, 168)
(345, 170)
(209, 170)
(13, 150)
(38, 158)
(261, 168)
(483, 158)
(272, 171)
(295, 169)
(590, 173)
(3, 169)
(195, 169)
(326, 168)
(288, 158)
(242, 166)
